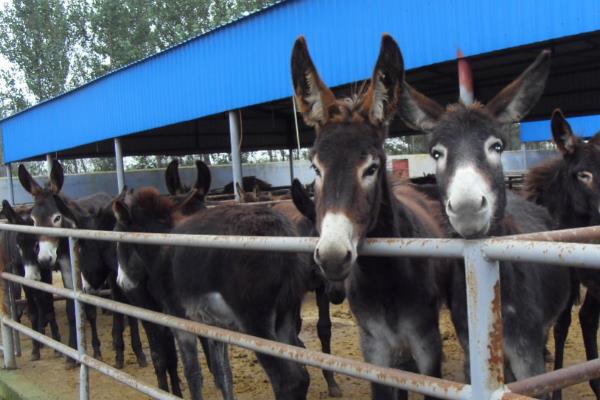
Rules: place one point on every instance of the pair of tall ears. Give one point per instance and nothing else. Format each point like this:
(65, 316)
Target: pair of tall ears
(388, 92)
(318, 104)
(564, 137)
(173, 180)
(11, 215)
(57, 178)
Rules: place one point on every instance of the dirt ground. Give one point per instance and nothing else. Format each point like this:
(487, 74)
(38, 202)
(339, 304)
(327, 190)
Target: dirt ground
(249, 379)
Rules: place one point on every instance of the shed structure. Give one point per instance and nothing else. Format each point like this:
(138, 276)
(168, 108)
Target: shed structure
(185, 100)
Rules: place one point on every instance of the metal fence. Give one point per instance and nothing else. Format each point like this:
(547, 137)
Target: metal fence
(483, 300)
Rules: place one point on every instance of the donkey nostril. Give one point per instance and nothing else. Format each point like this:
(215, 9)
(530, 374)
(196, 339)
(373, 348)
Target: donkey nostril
(450, 206)
(348, 256)
(483, 202)
(317, 256)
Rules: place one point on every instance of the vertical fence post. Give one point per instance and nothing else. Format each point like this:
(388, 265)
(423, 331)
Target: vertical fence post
(485, 322)
(7, 334)
(119, 165)
(234, 138)
(84, 383)
(11, 188)
(12, 308)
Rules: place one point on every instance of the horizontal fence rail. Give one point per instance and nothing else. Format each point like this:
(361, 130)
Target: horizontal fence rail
(482, 257)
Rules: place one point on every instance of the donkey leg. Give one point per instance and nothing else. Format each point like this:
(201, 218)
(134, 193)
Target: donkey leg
(36, 320)
(136, 343)
(379, 352)
(324, 333)
(170, 355)
(217, 354)
(117, 336)
(70, 363)
(588, 318)
(188, 348)
(91, 313)
(561, 330)
(157, 353)
(289, 380)
(426, 345)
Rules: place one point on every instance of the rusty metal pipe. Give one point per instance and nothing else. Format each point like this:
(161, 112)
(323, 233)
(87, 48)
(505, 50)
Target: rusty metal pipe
(414, 247)
(551, 381)
(569, 254)
(92, 362)
(590, 234)
(413, 382)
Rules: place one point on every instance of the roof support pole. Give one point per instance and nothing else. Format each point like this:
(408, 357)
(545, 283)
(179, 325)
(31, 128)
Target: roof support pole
(119, 165)
(234, 138)
(49, 163)
(291, 155)
(11, 188)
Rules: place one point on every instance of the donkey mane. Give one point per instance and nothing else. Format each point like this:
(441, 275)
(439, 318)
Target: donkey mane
(540, 180)
(149, 198)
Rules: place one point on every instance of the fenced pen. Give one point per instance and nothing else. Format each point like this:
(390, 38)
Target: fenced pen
(481, 258)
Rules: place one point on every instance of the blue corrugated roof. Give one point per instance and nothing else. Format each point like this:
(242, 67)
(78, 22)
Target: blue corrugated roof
(247, 62)
(536, 131)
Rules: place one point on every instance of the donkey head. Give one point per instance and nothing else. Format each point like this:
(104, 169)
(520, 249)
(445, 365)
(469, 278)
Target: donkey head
(45, 212)
(348, 155)
(467, 142)
(581, 161)
(27, 245)
(179, 191)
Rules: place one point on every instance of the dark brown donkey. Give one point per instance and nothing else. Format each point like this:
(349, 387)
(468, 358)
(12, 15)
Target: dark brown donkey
(395, 300)
(466, 144)
(49, 211)
(569, 187)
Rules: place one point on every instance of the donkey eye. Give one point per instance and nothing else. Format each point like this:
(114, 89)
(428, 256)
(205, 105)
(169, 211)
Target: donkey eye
(317, 170)
(436, 154)
(498, 147)
(584, 176)
(371, 170)
(57, 218)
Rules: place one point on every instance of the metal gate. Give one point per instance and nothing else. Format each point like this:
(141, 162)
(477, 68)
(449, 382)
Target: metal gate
(481, 259)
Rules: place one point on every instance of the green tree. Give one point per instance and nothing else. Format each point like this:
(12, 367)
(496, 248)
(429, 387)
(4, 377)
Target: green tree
(37, 37)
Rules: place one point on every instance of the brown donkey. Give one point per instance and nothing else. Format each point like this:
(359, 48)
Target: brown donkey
(569, 187)
(395, 300)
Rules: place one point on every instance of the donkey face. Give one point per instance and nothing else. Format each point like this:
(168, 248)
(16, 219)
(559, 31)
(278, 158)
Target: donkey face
(466, 144)
(582, 163)
(45, 211)
(347, 156)
(27, 245)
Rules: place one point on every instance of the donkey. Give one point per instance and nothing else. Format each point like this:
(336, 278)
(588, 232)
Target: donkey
(302, 213)
(23, 262)
(466, 143)
(53, 251)
(220, 287)
(98, 262)
(568, 187)
(395, 300)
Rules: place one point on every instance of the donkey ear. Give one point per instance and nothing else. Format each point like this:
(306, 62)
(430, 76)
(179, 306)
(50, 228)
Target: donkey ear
(562, 133)
(518, 98)
(302, 201)
(57, 177)
(418, 111)
(66, 211)
(315, 100)
(382, 98)
(172, 177)
(27, 181)
(121, 212)
(10, 214)
(202, 179)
